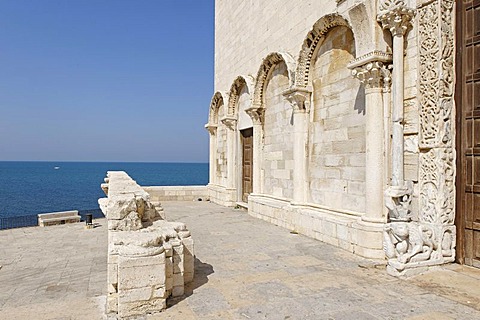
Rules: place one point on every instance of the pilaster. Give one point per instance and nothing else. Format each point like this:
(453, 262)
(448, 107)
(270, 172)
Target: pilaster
(373, 70)
(257, 114)
(300, 101)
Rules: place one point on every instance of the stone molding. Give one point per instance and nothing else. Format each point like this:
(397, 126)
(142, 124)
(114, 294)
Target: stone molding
(229, 122)
(299, 98)
(238, 84)
(257, 114)
(268, 64)
(216, 103)
(311, 42)
(211, 128)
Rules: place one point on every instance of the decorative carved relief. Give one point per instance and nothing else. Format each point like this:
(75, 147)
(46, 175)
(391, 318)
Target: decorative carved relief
(267, 66)
(431, 240)
(410, 245)
(257, 114)
(215, 104)
(373, 74)
(229, 122)
(436, 74)
(238, 84)
(437, 161)
(397, 19)
(311, 42)
(437, 186)
(299, 98)
(390, 4)
(398, 200)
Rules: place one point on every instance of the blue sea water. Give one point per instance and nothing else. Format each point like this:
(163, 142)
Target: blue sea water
(37, 187)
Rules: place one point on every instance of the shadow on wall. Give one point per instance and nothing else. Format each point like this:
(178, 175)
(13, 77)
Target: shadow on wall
(360, 101)
(202, 271)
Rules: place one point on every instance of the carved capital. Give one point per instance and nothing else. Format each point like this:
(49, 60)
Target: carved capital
(229, 122)
(396, 18)
(212, 128)
(375, 74)
(257, 114)
(299, 98)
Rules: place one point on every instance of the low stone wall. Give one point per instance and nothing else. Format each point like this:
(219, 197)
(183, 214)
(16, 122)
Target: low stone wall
(149, 259)
(221, 195)
(341, 229)
(177, 193)
(54, 218)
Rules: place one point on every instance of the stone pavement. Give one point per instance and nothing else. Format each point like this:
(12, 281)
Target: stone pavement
(245, 269)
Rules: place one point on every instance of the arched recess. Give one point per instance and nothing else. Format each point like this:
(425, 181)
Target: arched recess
(241, 85)
(216, 103)
(264, 71)
(275, 76)
(313, 41)
(336, 133)
(218, 147)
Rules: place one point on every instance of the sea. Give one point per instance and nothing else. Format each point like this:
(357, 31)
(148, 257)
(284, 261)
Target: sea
(39, 187)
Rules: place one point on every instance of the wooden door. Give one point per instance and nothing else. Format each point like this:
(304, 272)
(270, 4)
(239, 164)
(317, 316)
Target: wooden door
(468, 131)
(247, 162)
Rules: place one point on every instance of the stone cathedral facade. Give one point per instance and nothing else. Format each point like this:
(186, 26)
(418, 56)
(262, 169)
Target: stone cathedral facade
(352, 122)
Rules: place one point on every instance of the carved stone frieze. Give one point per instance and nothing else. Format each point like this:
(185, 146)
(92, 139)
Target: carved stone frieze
(436, 74)
(437, 186)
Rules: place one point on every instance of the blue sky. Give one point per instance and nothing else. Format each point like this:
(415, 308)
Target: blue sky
(105, 80)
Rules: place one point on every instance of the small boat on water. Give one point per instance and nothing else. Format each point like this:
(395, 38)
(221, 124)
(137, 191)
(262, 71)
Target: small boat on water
(56, 168)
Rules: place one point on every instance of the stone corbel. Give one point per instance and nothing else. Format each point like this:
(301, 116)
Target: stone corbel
(229, 122)
(299, 98)
(212, 128)
(257, 114)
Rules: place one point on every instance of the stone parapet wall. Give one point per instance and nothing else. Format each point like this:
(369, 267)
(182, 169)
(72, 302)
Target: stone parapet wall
(177, 193)
(149, 259)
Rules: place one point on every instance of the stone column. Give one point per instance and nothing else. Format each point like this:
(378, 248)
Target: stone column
(257, 115)
(300, 100)
(212, 130)
(230, 123)
(396, 18)
(371, 70)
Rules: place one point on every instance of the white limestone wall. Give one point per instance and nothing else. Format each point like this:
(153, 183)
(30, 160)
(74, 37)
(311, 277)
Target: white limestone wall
(337, 128)
(247, 31)
(221, 159)
(278, 137)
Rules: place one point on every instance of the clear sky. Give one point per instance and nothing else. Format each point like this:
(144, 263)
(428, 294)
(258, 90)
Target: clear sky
(105, 80)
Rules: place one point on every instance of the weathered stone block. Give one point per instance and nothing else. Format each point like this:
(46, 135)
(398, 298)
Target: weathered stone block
(142, 276)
